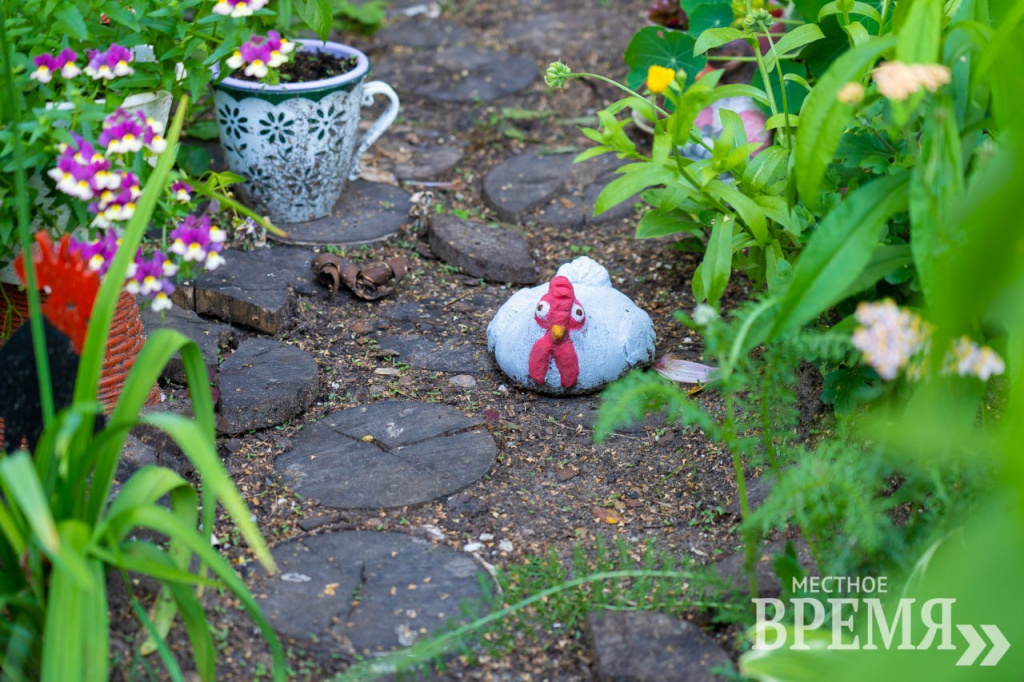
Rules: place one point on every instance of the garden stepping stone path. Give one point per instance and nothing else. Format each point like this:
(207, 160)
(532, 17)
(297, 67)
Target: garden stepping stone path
(387, 454)
(366, 212)
(644, 646)
(364, 592)
(420, 33)
(544, 35)
(460, 74)
(525, 182)
(256, 288)
(494, 253)
(265, 383)
(440, 355)
(210, 336)
(429, 163)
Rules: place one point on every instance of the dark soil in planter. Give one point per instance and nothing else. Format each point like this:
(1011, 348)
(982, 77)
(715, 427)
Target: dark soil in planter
(308, 66)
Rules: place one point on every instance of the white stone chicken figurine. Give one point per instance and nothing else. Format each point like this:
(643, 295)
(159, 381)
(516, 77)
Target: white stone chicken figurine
(572, 335)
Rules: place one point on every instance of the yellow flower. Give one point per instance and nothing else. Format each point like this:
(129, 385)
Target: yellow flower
(659, 78)
(898, 81)
(851, 93)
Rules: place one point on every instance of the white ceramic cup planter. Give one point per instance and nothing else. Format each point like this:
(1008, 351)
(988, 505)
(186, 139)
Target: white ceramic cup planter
(296, 143)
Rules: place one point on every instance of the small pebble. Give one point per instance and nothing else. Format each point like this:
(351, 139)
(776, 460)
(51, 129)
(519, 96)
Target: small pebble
(472, 547)
(462, 381)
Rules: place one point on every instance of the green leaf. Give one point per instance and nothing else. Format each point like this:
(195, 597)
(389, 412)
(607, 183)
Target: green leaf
(885, 260)
(659, 223)
(70, 21)
(936, 186)
(750, 213)
(21, 486)
(859, 8)
(825, 118)
(781, 120)
(636, 177)
(792, 41)
(739, 90)
(655, 45)
(708, 16)
(716, 37)
(317, 14)
(858, 34)
(713, 272)
(795, 93)
(920, 42)
(840, 249)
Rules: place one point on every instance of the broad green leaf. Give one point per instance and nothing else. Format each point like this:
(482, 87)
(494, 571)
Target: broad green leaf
(750, 213)
(840, 249)
(655, 45)
(317, 14)
(716, 37)
(781, 120)
(739, 90)
(858, 34)
(920, 42)
(636, 177)
(708, 16)
(824, 117)
(659, 223)
(70, 21)
(767, 168)
(21, 486)
(885, 260)
(713, 272)
(792, 41)
(860, 8)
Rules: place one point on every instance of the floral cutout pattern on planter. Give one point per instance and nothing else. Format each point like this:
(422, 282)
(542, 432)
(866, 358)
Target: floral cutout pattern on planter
(297, 144)
(572, 335)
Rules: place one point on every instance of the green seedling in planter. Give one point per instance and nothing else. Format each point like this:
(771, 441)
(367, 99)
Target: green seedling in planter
(62, 529)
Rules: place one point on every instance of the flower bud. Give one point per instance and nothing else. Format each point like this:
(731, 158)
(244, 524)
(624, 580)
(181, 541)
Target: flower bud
(557, 75)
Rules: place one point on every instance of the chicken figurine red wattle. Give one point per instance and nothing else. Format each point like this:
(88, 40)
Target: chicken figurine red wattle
(572, 335)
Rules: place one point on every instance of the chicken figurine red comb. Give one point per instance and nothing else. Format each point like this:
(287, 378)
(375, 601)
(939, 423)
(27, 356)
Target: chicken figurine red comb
(70, 285)
(572, 335)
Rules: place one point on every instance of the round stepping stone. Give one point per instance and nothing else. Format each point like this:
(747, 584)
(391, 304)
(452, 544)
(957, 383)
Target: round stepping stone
(264, 383)
(209, 336)
(525, 183)
(494, 253)
(544, 34)
(439, 355)
(423, 33)
(575, 211)
(366, 592)
(467, 74)
(366, 212)
(387, 454)
(255, 288)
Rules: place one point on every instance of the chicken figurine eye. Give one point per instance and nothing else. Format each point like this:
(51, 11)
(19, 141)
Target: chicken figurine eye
(578, 314)
(542, 309)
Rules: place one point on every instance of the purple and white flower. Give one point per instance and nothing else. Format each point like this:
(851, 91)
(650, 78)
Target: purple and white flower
(110, 63)
(182, 191)
(66, 59)
(238, 8)
(261, 53)
(46, 64)
(197, 241)
(81, 171)
(129, 131)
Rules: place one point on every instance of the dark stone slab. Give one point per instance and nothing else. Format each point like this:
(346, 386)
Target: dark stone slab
(440, 354)
(366, 212)
(461, 74)
(134, 455)
(429, 162)
(255, 288)
(494, 253)
(425, 33)
(210, 336)
(263, 383)
(365, 592)
(147, 441)
(544, 35)
(638, 646)
(524, 183)
(387, 454)
(731, 567)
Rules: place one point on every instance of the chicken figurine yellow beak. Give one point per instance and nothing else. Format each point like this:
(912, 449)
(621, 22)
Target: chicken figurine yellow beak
(557, 332)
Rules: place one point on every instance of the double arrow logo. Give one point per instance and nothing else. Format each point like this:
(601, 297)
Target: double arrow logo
(976, 644)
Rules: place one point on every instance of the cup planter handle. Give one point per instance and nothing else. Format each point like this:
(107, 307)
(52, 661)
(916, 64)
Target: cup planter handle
(370, 90)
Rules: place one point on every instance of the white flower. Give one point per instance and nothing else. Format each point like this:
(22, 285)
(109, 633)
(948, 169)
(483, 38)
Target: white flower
(70, 70)
(257, 69)
(161, 302)
(235, 61)
(890, 336)
(214, 261)
(704, 315)
(898, 81)
(42, 74)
